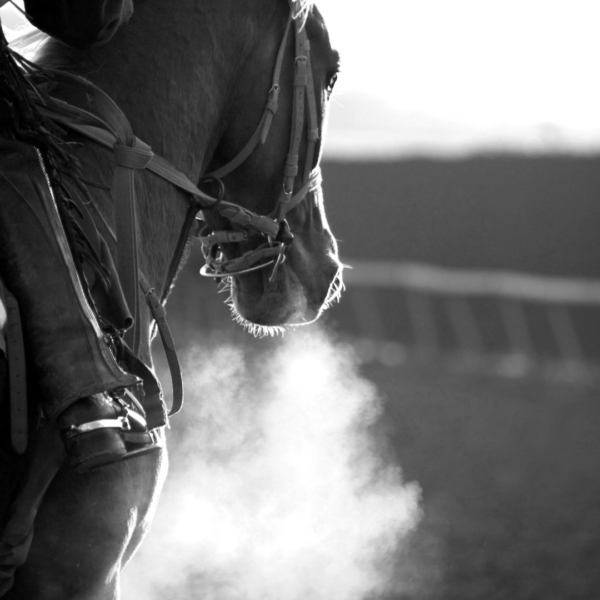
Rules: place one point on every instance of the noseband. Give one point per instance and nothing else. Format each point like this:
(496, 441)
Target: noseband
(274, 227)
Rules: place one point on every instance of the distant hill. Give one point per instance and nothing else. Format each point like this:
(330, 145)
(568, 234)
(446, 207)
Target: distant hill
(363, 125)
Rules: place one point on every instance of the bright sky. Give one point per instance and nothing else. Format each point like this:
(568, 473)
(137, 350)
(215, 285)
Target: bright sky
(523, 61)
(523, 71)
(480, 65)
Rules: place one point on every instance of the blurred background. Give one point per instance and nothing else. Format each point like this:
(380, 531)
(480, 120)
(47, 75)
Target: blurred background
(462, 178)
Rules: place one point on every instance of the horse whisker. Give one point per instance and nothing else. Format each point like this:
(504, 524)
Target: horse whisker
(336, 288)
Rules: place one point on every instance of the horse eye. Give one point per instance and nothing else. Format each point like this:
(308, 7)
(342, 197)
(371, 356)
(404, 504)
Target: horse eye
(331, 84)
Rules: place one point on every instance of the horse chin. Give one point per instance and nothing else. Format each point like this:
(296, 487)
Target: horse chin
(266, 305)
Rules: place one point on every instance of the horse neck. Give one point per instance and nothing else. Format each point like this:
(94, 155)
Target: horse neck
(170, 79)
(175, 69)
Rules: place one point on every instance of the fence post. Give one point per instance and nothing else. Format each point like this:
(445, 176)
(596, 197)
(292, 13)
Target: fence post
(515, 322)
(565, 334)
(424, 284)
(464, 324)
(423, 324)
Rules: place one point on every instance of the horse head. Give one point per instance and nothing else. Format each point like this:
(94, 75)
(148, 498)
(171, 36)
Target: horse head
(241, 106)
(284, 85)
(245, 117)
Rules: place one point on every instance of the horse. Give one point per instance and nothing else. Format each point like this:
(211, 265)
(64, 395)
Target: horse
(214, 87)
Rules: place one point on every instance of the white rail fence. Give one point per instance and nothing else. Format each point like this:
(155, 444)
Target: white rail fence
(456, 294)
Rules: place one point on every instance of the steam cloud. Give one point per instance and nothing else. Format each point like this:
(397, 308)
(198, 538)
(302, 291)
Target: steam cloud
(277, 488)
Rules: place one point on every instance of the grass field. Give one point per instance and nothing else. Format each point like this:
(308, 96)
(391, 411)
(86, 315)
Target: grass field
(511, 492)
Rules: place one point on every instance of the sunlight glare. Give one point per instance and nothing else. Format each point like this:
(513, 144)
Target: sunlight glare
(479, 68)
(515, 60)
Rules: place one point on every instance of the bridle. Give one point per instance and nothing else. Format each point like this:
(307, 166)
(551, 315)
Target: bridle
(274, 227)
(113, 131)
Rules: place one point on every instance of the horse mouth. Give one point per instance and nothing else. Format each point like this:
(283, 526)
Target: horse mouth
(299, 292)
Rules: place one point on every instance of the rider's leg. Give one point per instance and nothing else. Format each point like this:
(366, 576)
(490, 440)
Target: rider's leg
(72, 364)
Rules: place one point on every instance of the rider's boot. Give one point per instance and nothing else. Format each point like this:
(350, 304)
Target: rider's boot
(77, 377)
(101, 429)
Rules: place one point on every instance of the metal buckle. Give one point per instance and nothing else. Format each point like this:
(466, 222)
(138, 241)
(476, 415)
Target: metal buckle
(119, 423)
(208, 271)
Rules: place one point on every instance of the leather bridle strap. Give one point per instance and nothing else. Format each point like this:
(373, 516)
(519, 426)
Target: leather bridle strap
(262, 130)
(303, 86)
(312, 132)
